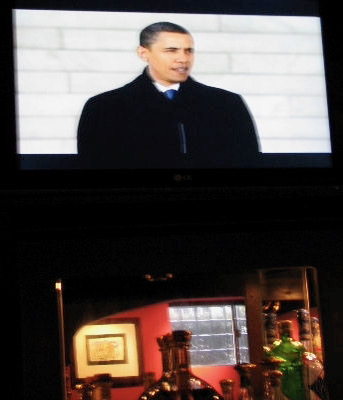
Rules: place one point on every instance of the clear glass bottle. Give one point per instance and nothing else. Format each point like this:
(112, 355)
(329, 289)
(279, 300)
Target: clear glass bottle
(291, 352)
(177, 381)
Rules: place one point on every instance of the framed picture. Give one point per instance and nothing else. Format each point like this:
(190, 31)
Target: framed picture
(106, 349)
(109, 346)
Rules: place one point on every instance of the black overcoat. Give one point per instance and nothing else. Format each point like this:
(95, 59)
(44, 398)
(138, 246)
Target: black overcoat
(136, 126)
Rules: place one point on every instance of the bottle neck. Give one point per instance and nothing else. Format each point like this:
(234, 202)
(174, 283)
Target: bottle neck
(180, 358)
(166, 364)
(286, 330)
(181, 369)
(285, 337)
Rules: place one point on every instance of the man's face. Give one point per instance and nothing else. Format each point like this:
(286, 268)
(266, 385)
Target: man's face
(170, 58)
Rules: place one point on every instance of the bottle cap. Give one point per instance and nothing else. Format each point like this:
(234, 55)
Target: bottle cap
(182, 337)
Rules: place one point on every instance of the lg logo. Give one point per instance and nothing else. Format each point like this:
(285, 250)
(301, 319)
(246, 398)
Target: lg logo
(182, 178)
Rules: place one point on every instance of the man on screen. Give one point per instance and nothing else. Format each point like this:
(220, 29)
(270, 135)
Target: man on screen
(141, 126)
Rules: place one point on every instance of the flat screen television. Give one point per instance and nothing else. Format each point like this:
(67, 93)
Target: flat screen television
(277, 57)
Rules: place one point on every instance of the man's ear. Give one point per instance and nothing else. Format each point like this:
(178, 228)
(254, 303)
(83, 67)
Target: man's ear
(143, 53)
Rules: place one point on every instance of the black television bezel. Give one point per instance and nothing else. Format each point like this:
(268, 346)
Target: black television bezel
(291, 170)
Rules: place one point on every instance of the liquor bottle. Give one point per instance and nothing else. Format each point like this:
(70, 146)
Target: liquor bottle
(246, 391)
(166, 383)
(304, 324)
(291, 352)
(227, 386)
(271, 328)
(272, 385)
(177, 381)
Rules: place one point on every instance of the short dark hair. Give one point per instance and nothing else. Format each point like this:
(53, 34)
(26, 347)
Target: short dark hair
(149, 34)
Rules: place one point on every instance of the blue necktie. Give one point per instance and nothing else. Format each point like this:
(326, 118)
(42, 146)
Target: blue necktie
(170, 94)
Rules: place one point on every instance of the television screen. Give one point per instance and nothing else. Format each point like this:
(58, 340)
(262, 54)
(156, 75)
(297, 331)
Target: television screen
(259, 97)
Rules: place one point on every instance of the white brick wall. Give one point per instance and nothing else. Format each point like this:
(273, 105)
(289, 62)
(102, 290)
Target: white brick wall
(64, 57)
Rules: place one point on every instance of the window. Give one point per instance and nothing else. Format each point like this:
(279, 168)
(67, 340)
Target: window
(219, 332)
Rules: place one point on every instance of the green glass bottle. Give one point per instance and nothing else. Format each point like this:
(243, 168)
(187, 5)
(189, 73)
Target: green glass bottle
(291, 352)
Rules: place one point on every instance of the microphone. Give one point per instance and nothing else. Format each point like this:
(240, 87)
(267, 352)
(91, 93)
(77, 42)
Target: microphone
(183, 138)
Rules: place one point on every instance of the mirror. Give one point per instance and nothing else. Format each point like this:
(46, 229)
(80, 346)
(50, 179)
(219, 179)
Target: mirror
(111, 329)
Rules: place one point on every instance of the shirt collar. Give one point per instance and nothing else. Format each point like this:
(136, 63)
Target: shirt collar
(162, 88)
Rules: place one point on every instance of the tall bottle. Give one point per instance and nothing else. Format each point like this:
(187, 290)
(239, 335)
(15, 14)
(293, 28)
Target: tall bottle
(246, 390)
(177, 381)
(291, 352)
(166, 383)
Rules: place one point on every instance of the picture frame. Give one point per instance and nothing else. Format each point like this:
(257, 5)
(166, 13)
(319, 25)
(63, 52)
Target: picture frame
(109, 346)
